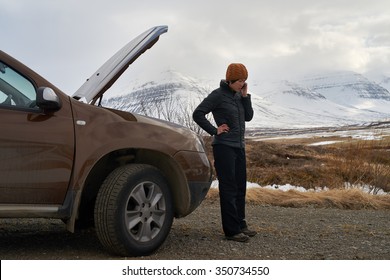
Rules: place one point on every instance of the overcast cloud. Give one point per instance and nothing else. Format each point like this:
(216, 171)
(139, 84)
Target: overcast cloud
(67, 40)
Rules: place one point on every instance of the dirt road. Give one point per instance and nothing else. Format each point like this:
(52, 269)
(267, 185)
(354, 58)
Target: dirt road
(284, 233)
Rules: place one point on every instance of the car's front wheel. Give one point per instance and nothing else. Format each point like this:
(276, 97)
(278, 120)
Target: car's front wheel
(133, 210)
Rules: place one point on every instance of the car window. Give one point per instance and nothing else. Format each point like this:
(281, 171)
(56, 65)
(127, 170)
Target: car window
(16, 91)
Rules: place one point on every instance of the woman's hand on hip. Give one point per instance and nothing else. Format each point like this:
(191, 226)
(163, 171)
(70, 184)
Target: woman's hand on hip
(223, 128)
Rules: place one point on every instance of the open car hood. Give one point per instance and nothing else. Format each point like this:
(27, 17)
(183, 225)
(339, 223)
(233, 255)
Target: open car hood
(110, 71)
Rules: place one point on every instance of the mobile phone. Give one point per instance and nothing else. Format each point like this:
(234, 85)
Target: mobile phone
(244, 86)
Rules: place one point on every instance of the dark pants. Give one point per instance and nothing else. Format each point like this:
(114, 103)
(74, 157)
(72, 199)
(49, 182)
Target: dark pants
(230, 166)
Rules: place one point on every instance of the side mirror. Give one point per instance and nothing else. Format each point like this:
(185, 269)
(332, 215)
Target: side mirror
(47, 99)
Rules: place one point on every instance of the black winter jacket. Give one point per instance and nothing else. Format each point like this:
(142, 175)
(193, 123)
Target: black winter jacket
(227, 107)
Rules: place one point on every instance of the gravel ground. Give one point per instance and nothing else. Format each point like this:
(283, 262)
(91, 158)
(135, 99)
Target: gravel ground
(283, 234)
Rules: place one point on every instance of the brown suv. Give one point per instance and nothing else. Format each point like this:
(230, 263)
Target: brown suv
(63, 157)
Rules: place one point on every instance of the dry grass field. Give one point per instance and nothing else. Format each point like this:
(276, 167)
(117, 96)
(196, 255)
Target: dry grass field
(342, 168)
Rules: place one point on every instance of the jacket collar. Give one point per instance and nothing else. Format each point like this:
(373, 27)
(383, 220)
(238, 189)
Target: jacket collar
(224, 85)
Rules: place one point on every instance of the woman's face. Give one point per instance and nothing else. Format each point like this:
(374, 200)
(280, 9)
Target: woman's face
(237, 85)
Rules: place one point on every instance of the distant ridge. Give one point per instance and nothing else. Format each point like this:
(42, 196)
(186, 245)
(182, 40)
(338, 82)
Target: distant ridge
(326, 100)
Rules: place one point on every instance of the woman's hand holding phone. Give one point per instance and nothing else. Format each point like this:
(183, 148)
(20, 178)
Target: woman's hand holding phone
(244, 90)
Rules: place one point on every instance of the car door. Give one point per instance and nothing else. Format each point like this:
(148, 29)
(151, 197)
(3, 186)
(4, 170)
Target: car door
(36, 147)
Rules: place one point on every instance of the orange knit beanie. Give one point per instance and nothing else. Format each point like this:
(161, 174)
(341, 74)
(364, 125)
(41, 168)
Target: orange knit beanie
(236, 71)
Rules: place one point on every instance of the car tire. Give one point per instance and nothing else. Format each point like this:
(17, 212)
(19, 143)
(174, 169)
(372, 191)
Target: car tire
(133, 211)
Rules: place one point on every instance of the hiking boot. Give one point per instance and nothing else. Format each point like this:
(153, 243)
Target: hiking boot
(239, 237)
(248, 232)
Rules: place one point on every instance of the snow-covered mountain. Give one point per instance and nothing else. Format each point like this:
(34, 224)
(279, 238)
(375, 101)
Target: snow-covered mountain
(335, 99)
(327, 100)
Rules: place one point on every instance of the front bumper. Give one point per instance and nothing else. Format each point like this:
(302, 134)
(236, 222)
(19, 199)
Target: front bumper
(198, 192)
(198, 172)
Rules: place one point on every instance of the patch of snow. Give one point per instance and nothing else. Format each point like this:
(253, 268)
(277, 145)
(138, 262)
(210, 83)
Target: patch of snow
(324, 143)
(287, 187)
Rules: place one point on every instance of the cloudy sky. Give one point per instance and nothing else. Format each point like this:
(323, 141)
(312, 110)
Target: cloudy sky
(67, 40)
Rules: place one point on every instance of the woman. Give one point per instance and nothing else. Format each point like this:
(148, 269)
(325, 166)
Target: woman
(231, 106)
